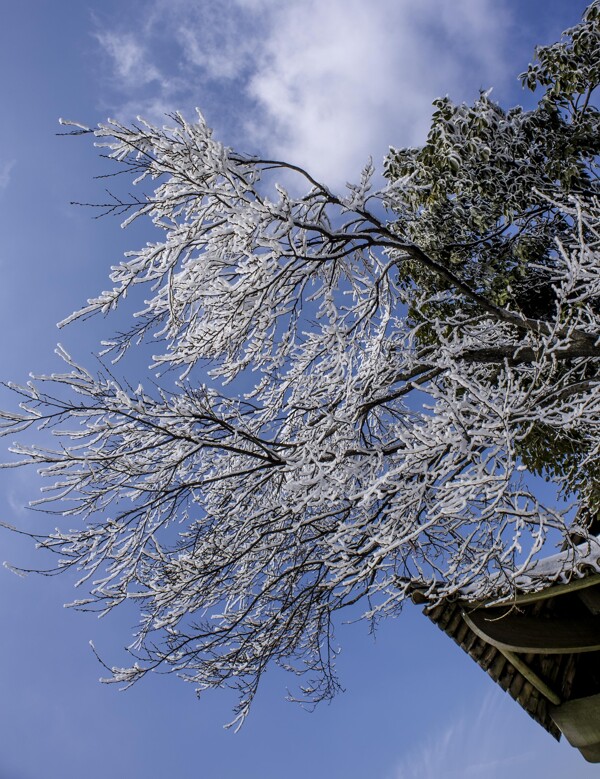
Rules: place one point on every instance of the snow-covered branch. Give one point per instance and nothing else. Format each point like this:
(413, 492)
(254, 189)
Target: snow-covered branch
(362, 383)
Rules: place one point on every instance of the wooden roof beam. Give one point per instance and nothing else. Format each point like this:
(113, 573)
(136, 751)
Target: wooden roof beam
(548, 636)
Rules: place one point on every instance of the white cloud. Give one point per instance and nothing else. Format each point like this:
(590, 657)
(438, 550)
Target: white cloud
(345, 79)
(5, 173)
(322, 84)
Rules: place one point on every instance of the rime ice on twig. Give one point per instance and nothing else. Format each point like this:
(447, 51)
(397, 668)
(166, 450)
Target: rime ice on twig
(393, 398)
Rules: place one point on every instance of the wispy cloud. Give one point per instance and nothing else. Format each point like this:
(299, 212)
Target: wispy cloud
(467, 747)
(6, 169)
(130, 61)
(324, 84)
(491, 743)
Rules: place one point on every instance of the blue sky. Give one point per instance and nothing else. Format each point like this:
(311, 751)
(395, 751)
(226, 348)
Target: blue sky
(323, 83)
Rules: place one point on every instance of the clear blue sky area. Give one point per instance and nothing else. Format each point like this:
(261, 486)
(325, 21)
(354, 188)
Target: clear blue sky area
(324, 83)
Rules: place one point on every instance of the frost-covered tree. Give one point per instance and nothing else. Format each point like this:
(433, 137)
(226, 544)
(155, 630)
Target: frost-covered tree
(353, 387)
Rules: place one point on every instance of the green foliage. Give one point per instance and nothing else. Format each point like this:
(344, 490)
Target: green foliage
(475, 196)
(551, 453)
(480, 198)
